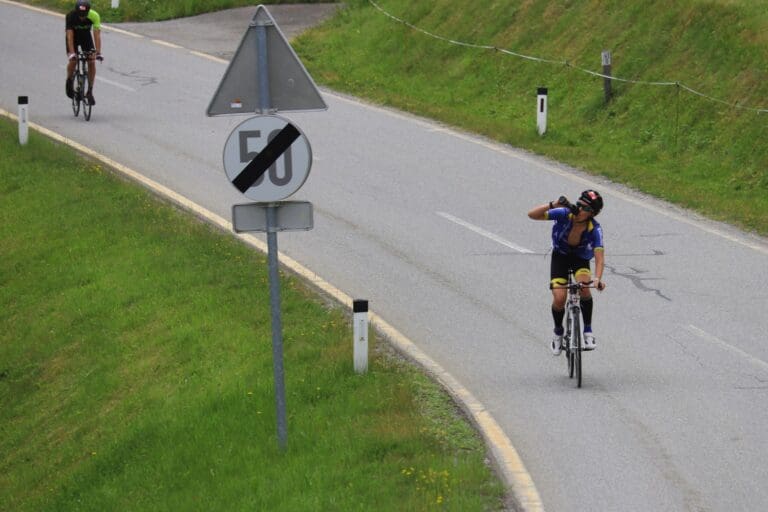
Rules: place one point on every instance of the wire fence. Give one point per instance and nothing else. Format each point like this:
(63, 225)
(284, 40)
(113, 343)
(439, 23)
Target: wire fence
(679, 85)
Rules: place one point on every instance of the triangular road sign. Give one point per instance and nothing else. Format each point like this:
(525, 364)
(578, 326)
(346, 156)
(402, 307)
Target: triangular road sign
(265, 75)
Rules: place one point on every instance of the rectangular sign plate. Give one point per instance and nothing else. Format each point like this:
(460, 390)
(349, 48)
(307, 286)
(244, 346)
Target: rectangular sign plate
(291, 216)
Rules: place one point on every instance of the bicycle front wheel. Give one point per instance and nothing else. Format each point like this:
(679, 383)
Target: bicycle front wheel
(86, 104)
(577, 350)
(76, 92)
(569, 358)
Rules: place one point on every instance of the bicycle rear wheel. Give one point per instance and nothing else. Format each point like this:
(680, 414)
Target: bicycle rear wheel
(577, 351)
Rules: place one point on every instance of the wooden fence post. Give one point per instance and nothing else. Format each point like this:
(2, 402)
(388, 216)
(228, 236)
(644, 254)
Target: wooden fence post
(607, 72)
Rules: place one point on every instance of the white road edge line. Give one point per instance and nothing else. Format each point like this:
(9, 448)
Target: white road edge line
(505, 456)
(701, 333)
(483, 232)
(107, 81)
(116, 84)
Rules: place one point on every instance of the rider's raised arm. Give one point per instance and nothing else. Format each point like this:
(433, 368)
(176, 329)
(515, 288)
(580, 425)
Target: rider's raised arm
(540, 212)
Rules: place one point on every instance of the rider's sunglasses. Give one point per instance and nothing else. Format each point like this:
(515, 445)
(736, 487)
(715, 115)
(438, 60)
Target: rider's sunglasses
(585, 207)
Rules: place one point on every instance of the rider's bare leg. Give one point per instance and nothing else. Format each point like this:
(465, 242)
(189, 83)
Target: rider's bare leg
(91, 73)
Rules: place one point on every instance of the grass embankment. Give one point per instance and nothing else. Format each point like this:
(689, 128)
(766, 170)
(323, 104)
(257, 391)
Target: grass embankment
(136, 368)
(157, 10)
(662, 140)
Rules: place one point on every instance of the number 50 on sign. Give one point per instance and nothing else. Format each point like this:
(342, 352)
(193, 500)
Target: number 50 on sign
(267, 158)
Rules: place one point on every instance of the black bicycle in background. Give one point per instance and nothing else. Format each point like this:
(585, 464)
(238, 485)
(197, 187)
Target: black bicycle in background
(573, 338)
(81, 85)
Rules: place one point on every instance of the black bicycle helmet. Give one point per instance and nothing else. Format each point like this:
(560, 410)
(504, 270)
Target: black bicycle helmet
(82, 7)
(592, 199)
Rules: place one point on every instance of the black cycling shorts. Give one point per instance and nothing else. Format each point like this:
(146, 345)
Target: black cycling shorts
(562, 263)
(84, 41)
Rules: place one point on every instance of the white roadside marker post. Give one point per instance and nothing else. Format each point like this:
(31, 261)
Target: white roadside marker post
(360, 334)
(23, 120)
(541, 110)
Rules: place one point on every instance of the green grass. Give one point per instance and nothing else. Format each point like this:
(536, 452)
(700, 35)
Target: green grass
(672, 144)
(136, 368)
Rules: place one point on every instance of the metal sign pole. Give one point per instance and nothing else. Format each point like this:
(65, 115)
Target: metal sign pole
(263, 68)
(245, 87)
(274, 276)
(277, 326)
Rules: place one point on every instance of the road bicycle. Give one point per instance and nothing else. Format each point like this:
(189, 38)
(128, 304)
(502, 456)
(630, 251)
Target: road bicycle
(573, 339)
(81, 85)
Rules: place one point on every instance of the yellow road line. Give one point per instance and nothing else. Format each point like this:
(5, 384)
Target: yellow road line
(121, 31)
(507, 460)
(166, 43)
(209, 57)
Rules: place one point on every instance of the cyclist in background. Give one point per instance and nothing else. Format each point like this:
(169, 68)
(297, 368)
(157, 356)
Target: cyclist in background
(79, 23)
(576, 238)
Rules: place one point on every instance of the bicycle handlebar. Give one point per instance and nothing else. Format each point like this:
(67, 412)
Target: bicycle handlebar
(575, 286)
(80, 54)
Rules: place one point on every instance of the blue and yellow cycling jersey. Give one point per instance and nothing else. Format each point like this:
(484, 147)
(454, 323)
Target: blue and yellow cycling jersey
(591, 239)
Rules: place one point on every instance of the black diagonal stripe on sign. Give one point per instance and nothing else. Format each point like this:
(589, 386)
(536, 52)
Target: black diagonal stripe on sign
(266, 158)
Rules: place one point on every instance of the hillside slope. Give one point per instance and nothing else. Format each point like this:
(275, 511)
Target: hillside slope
(704, 153)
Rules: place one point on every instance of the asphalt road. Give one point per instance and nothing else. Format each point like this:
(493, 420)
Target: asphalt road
(430, 225)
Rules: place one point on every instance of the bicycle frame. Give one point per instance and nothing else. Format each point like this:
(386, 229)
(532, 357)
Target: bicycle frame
(573, 305)
(574, 336)
(80, 83)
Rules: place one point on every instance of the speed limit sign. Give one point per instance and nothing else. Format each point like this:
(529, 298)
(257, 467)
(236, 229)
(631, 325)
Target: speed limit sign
(267, 158)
